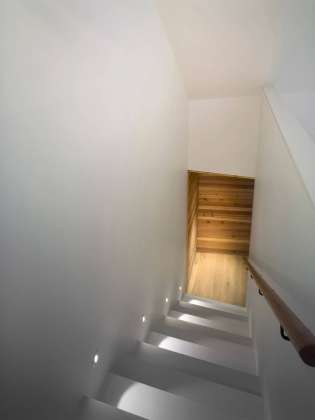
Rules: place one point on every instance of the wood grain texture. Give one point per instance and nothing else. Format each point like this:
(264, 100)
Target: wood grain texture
(219, 276)
(192, 211)
(224, 213)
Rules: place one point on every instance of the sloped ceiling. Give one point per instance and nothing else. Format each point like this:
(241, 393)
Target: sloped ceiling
(223, 47)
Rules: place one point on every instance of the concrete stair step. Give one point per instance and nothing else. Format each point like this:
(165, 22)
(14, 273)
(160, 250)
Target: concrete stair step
(221, 400)
(153, 403)
(97, 410)
(229, 309)
(197, 333)
(214, 321)
(219, 352)
(203, 369)
(208, 311)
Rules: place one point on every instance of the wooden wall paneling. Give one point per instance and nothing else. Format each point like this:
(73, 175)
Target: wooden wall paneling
(224, 213)
(192, 213)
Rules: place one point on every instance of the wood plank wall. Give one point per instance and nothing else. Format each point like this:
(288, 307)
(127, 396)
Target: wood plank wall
(192, 211)
(224, 213)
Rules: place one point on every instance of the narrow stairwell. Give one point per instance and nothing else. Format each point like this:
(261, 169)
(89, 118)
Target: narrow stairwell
(196, 363)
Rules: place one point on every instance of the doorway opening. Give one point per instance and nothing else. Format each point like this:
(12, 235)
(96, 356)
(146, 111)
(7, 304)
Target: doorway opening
(218, 235)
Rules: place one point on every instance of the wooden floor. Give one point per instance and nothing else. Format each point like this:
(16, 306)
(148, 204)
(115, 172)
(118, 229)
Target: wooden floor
(220, 277)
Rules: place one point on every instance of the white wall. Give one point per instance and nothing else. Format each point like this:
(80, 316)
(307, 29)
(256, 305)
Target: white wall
(294, 54)
(93, 193)
(283, 232)
(300, 144)
(294, 59)
(224, 134)
(282, 246)
(224, 48)
(302, 105)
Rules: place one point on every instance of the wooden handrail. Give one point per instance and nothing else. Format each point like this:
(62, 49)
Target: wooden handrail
(300, 336)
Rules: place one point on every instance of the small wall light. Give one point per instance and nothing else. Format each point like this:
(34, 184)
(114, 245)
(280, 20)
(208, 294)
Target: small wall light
(166, 300)
(96, 358)
(143, 319)
(180, 288)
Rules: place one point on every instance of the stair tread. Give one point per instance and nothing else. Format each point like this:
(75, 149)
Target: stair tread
(199, 334)
(221, 352)
(200, 316)
(225, 219)
(145, 400)
(151, 402)
(223, 240)
(204, 370)
(219, 398)
(99, 410)
(225, 208)
(216, 305)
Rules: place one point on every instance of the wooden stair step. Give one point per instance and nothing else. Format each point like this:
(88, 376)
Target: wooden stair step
(236, 245)
(224, 240)
(225, 219)
(225, 209)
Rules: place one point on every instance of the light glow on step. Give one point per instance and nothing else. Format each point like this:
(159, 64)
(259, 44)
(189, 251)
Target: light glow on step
(196, 302)
(130, 398)
(192, 319)
(172, 344)
(186, 317)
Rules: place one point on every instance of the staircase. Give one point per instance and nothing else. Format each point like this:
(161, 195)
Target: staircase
(196, 363)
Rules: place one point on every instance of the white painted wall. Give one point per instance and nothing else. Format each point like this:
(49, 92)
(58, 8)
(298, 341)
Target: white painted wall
(224, 48)
(294, 56)
(300, 144)
(294, 60)
(284, 211)
(282, 246)
(93, 193)
(224, 135)
(302, 106)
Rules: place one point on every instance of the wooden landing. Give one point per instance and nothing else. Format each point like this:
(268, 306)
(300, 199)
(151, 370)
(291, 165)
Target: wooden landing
(220, 277)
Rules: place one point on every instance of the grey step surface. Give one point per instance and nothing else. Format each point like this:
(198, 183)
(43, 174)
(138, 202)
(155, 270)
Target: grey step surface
(229, 309)
(219, 352)
(221, 400)
(97, 410)
(207, 312)
(213, 372)
(196, 333)
(154, 403)
(203, 316)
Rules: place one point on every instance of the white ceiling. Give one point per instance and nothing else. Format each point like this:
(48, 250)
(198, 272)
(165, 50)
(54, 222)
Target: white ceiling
(223, 47)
